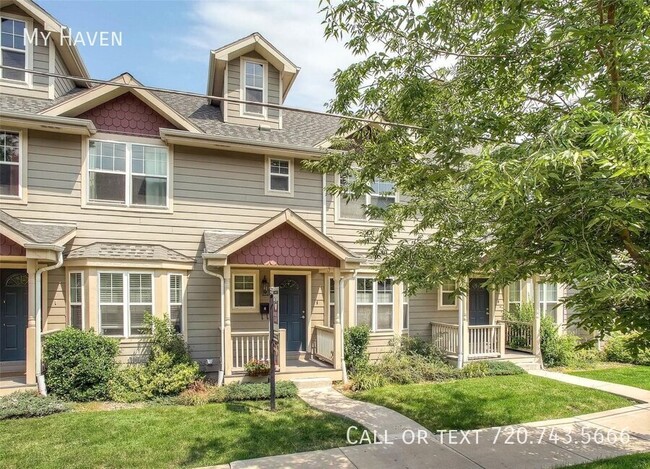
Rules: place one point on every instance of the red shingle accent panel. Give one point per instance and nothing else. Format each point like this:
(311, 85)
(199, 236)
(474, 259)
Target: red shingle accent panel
(127, 115)
(10, 248)
(284, 245)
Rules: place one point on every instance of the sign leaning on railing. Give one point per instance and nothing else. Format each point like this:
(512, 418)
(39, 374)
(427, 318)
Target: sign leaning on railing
(274, 326)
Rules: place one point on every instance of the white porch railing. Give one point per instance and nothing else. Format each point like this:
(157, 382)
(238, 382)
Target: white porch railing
(323, 343)
(485, 341)
(519, 335)
(247, 346)
(445, 337)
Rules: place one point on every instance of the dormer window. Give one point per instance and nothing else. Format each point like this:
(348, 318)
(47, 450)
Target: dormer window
(14, 49)
(254, 87)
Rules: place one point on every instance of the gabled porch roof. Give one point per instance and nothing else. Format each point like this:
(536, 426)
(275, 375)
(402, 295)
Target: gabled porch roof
(34, 237)
(220, 246)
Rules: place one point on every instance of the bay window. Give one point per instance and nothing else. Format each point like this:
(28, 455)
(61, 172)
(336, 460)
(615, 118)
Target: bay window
(10, 161)
(13, 48)
(176, 301)
(128, 174)
(405, 309)
(548, 299)
(374, 303)
(331, 297)
(124, 299)
(514, 295)
(76, 300)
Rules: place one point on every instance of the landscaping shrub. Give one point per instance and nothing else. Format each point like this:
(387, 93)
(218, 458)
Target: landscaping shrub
(29, 404)
(199, 394)
(169, 369)
(415, 346)
(356, 348)
(257, 367)
(557, 349)
(78, 364)
(503, 368)
(624, 348)
(367, 379)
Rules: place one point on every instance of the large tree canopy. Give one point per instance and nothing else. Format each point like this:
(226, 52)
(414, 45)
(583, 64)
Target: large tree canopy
(530, 146)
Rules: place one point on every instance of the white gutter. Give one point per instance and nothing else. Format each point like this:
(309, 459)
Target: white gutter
(222, 371)
(39, 322)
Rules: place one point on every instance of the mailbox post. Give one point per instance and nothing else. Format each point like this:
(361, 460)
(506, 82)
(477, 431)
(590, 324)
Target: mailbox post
(274, 326)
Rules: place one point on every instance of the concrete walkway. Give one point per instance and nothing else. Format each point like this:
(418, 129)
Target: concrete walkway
(397, 441)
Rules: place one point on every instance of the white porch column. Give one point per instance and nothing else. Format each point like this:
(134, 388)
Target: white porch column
(30, 343)
(338, 343)
(537, 322)
(465, 323)
(227, 349)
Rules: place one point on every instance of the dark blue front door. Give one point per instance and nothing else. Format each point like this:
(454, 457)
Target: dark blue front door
(292, 309)
(13, 314)
(479, 303)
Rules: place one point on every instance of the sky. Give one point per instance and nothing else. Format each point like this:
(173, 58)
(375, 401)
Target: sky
(166, 43)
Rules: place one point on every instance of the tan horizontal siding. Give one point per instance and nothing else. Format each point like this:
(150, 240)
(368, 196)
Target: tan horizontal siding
(55, 312)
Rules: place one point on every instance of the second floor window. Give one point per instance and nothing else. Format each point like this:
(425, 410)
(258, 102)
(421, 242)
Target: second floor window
(254, 87)
(9, 163)
(280, 175)
(128, 174)
(382, 194)
(14, 51)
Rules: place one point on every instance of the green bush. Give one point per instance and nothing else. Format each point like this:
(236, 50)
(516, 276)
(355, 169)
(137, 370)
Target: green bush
(366, 379)
(503, 368)
(169, 369)
(415, 346)
(356, 341)
(79, 365)
(200, 393)
(257, 367)
(557, 349)
(624, 348)
(29, 404)
(522, 313)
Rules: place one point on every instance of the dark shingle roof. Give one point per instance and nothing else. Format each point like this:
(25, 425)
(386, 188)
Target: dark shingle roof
(298, 129)
(39, 233)
(147, 252)
(215, 240)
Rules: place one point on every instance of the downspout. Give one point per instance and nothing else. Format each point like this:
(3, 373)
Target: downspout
(461, 328)
(324, 207)
(222, 371)
(40, 380)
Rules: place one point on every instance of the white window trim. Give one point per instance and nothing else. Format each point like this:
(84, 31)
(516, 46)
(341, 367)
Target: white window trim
(29, 54)
(256, 292)
(267, 177)
(339, 199)
(331, 301)
(242, 89)
(182, 303)
(127, 205)
(126, 310)
(83, 299)
(555, 313)
(375, 303)
(21, 198)
(521, 294)
(442, 306)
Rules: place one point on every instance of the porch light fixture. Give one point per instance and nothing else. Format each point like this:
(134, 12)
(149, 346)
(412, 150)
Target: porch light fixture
(265, 286)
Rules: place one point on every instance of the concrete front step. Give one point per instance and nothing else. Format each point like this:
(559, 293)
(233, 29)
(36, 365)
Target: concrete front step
(312, 383)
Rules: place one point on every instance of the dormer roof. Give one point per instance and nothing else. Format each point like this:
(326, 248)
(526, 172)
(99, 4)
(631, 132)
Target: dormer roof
(254, 42)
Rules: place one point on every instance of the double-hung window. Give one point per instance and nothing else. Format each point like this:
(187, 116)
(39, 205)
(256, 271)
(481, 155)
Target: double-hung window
(548, 299)
(382, 194)
(331, 298)
(446, 297)
(124, 299)
(374, 303)
(279, 175)
(254, 87)
(10, 161)
(14, 48)
(76, 300)
(514, 295)
(176, 301)
(405, 309)
(128, 174)
(244, 291)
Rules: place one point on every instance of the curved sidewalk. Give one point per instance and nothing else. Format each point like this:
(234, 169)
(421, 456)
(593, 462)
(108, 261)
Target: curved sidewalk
(544, 444)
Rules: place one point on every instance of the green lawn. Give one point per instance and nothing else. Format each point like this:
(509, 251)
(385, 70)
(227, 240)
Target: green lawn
(168, 436)
(634, 375)
(633, 461)
(492, 401)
